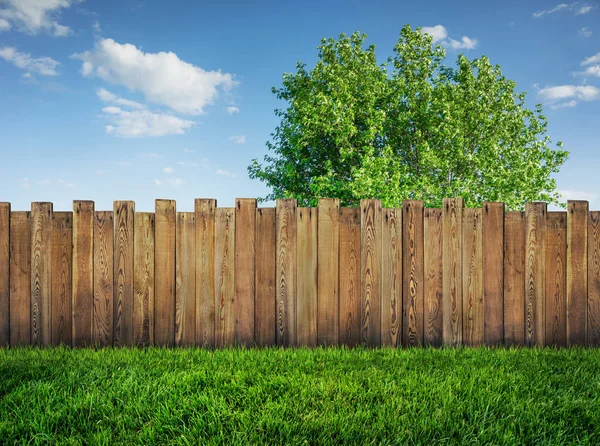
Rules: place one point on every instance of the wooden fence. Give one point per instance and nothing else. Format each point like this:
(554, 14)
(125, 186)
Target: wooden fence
(300, 276)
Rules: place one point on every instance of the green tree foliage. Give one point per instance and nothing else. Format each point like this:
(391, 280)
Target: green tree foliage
(411, 128)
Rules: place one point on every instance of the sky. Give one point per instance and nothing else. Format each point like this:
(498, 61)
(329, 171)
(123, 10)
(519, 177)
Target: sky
(141, 99)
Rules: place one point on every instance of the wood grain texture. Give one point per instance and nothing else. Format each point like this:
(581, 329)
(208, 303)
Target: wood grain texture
(350, 291)
(245, 237)
(143, 279)
(41, 272)
(307, 276)
(391, 278)
(224, 277)
(577, 269)
(164, 279)
(328, 306)
(265, 259)
(123, 216)
(102, 314)
(413, 269)
(205, 271)
(20, 278)
(472, 278)
(593, 334)
(493, 272)
(452, 296)
(370, 267)
(4, 274)
(185, 280)
(514, 278)
(433, 279)
(286, 271)
(83, 272)
(556, 277)
(62, 283)
(535, 277)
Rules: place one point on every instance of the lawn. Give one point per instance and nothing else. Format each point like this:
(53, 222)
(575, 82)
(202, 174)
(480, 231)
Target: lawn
(322, 396)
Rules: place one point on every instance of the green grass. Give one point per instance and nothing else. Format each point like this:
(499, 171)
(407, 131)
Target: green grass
(323, 396)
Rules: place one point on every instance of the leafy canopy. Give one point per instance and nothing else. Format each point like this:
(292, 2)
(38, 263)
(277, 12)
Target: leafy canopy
(411, 128)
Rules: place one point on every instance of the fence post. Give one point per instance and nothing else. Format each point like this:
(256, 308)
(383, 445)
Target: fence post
(577, 287)
(452, 296)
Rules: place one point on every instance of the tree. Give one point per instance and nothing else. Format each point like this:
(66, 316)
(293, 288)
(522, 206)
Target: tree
(411, 128)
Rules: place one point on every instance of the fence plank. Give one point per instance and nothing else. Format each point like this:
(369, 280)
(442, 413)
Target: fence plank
(185, 279)
(493, 272)
(123, 220)
(349, 323)
(391, 278)
(328, 307)
(370, 267)
(245, 234)
(307, 276)
(286, 272)
(205, 271)
(577, 287)
(265, 259)
(102, 314)
(224, 276)
(20, 278)
(452, 296)
(593, 337)
(472, 278)
(4, 274)
(535, 277)
(62, 284)
(143, 279)
(41, 272)
(83, 272)
(514, 278)
(556, 276)
(164, 279)
(432, 279)
(413, 268)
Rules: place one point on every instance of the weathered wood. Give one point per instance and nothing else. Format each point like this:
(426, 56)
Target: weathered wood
(391, 278)
(452, 297)
(593, 333)
(205, 272)
(514, 278)
(350, 324)
(535, 276)
(328, 306)
(413, 269)
(433, 279)
(265, 259)
(83, 272)
(143, 279)
(20, 278)
(577, 272)
(286, 272)
(41, 272)
(307, 276)
(245, 234)
(493, 272)
(123, 252)
(185, 280)
(62, 284)
(370, 267)
(4, 274)
(102, 314)
(224, 276)
(556, 257)
(164, 279)
(472, 286)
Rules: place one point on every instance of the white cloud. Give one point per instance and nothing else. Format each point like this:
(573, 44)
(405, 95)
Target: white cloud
(241, 139)
(189, 150)
(157, 182)
(575, 8)
(592, 71)
(584, 10)
(107, 96)
(34, 16)
(96, 27)
(439, 34)
(168, 170)
(464, 44)
(568, 104)
(225, 173)
(45, 66)
(232, 110)
(562, 92)
(163, 78)
(25, 183)
(4, 25)
(585, 32)
(188, 163)
(591, 60)
(99, 172)
(544, 12)
(175, 181)
(140, 123)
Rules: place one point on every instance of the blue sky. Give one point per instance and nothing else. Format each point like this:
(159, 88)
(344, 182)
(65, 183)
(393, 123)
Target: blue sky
(130, 99)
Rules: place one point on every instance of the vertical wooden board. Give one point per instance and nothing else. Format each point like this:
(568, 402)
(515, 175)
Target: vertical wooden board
(556, 276)
(102, 323)
(413, 269)
(577, 272)
(143, 279)
(433, 279)
(286, 271)
(391, 278)
(224, 277)
(370, 272)
(41, 272)
(123, 216)
(350, 324)
(307, 276)
(185, 280)
(493, 272)
(266, 297)
(164, 279)
(593, 337)
(4, 274)
(205, 272)
(535, 278)
(62, 284)
(328, 299)
(20, 278)
(245, 216)
(452, 296)
(514, 278)
(472, 278)
(83, 272)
